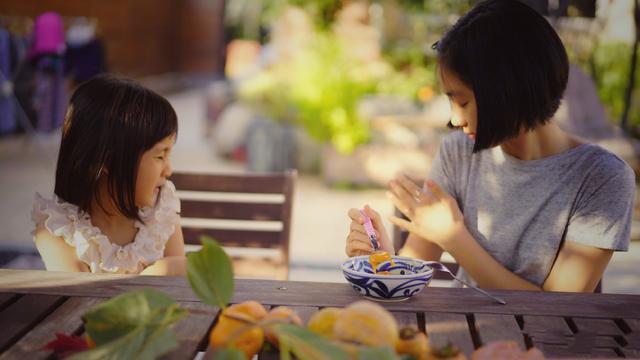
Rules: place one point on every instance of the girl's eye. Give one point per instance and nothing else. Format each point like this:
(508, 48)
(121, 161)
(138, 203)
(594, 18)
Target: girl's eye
(160, 157)
(464, 105)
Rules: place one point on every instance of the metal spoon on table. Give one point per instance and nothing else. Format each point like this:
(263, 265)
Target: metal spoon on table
(438, 266)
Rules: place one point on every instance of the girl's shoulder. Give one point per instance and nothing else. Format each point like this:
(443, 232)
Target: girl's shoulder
(57, 216)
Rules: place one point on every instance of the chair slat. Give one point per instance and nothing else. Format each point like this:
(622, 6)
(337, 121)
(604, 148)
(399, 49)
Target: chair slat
(248, 209)
(235, 238)
(241, 183)
(230, 210)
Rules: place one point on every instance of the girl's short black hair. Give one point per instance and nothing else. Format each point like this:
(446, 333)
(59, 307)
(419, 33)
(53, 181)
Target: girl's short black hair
(109, 124)
(513, 60)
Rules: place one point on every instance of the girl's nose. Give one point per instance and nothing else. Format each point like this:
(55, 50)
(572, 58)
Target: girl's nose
(458, 121)
(168, 169)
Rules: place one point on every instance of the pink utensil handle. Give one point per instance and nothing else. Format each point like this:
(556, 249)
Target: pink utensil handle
(368, 227)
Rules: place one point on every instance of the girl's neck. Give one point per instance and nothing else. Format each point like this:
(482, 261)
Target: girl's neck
(543, 141)
(112, 223)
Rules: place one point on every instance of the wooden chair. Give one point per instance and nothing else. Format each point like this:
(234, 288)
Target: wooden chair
(248, 209)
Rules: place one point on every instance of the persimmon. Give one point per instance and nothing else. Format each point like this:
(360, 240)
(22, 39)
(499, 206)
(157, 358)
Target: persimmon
(280, 314)
(322, 321)
(413, 342)
(366, 323)
(236, 328)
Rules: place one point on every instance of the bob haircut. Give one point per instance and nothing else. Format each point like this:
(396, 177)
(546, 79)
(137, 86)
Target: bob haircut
(109, 124)
(514, 62)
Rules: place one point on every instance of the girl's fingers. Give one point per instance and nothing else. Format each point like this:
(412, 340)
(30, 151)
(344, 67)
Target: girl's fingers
(400, 205)
(401, 193)
(355, 227)
(358, 246)
(376, 220)
(354, 214)
(409, 186)
(402, 223)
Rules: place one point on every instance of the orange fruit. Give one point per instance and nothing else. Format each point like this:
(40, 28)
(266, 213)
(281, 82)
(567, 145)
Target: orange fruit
(236, 328)
(322, 321)
(280, 314)
(413, 342)
(366, 323)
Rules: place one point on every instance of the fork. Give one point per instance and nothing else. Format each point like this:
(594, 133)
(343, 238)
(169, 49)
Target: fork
(440, 267)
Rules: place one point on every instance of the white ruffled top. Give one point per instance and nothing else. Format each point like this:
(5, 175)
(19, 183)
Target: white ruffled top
(94, 248)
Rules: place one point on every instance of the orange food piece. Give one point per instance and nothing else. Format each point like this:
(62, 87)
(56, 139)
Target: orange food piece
(236, 328)
(280, 314)
(378, 257)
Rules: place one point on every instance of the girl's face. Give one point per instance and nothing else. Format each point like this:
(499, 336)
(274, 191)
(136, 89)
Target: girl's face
(463, 102)
(153, 171)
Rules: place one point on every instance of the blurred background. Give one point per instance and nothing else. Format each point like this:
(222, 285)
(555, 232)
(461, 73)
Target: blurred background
(343, 91)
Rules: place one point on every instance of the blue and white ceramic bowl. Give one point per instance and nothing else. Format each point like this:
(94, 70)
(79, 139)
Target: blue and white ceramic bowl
(406, 278)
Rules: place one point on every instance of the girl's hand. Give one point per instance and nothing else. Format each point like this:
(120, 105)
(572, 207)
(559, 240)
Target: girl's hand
(433, 214)
(358, 242)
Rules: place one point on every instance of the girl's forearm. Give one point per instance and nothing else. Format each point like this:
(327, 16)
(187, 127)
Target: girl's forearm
(483, 268)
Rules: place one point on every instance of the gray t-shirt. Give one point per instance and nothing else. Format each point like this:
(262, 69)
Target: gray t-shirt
(521, 211)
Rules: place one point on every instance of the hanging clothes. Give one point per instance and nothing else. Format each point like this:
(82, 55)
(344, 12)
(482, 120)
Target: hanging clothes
(50, 98)
(7, 111)
(47, 56)
(84, 57)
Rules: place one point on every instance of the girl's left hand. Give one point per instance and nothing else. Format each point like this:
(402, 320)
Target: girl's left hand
(434, 215)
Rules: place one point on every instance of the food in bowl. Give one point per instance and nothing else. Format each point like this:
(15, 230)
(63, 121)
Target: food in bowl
(378, 257)
(396, 279)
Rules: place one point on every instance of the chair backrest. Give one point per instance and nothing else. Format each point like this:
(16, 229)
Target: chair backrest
(264, 200)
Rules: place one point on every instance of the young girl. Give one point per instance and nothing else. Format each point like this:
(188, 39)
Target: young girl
(113, 210)
(516, 201)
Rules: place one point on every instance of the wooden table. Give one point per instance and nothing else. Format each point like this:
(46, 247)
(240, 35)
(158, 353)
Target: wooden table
(34, 305)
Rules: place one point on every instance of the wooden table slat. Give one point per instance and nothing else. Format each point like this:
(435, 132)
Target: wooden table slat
(444, 328)
(22, 315)
(406, 319)
(298, 293)
(6, 299)
(65, 319)
(534, 324)
(634, 324)
(192, 331)
(492, 327)
(598, 326)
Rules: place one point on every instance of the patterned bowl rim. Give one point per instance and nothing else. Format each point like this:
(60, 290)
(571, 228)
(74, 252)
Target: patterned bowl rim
(345, 268)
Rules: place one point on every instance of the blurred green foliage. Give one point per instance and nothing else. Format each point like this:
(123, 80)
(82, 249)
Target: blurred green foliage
(318, 90)
(611, 70)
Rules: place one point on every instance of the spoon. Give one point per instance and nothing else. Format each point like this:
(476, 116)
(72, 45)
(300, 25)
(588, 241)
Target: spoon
(438, 266)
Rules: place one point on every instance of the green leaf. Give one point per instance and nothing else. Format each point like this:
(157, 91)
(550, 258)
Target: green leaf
(229, 354)
(305, 344)
(210, 274)
(380, 353)
(135, 325)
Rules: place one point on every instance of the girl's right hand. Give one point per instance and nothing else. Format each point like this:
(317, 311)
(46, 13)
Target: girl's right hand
(358, 242)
